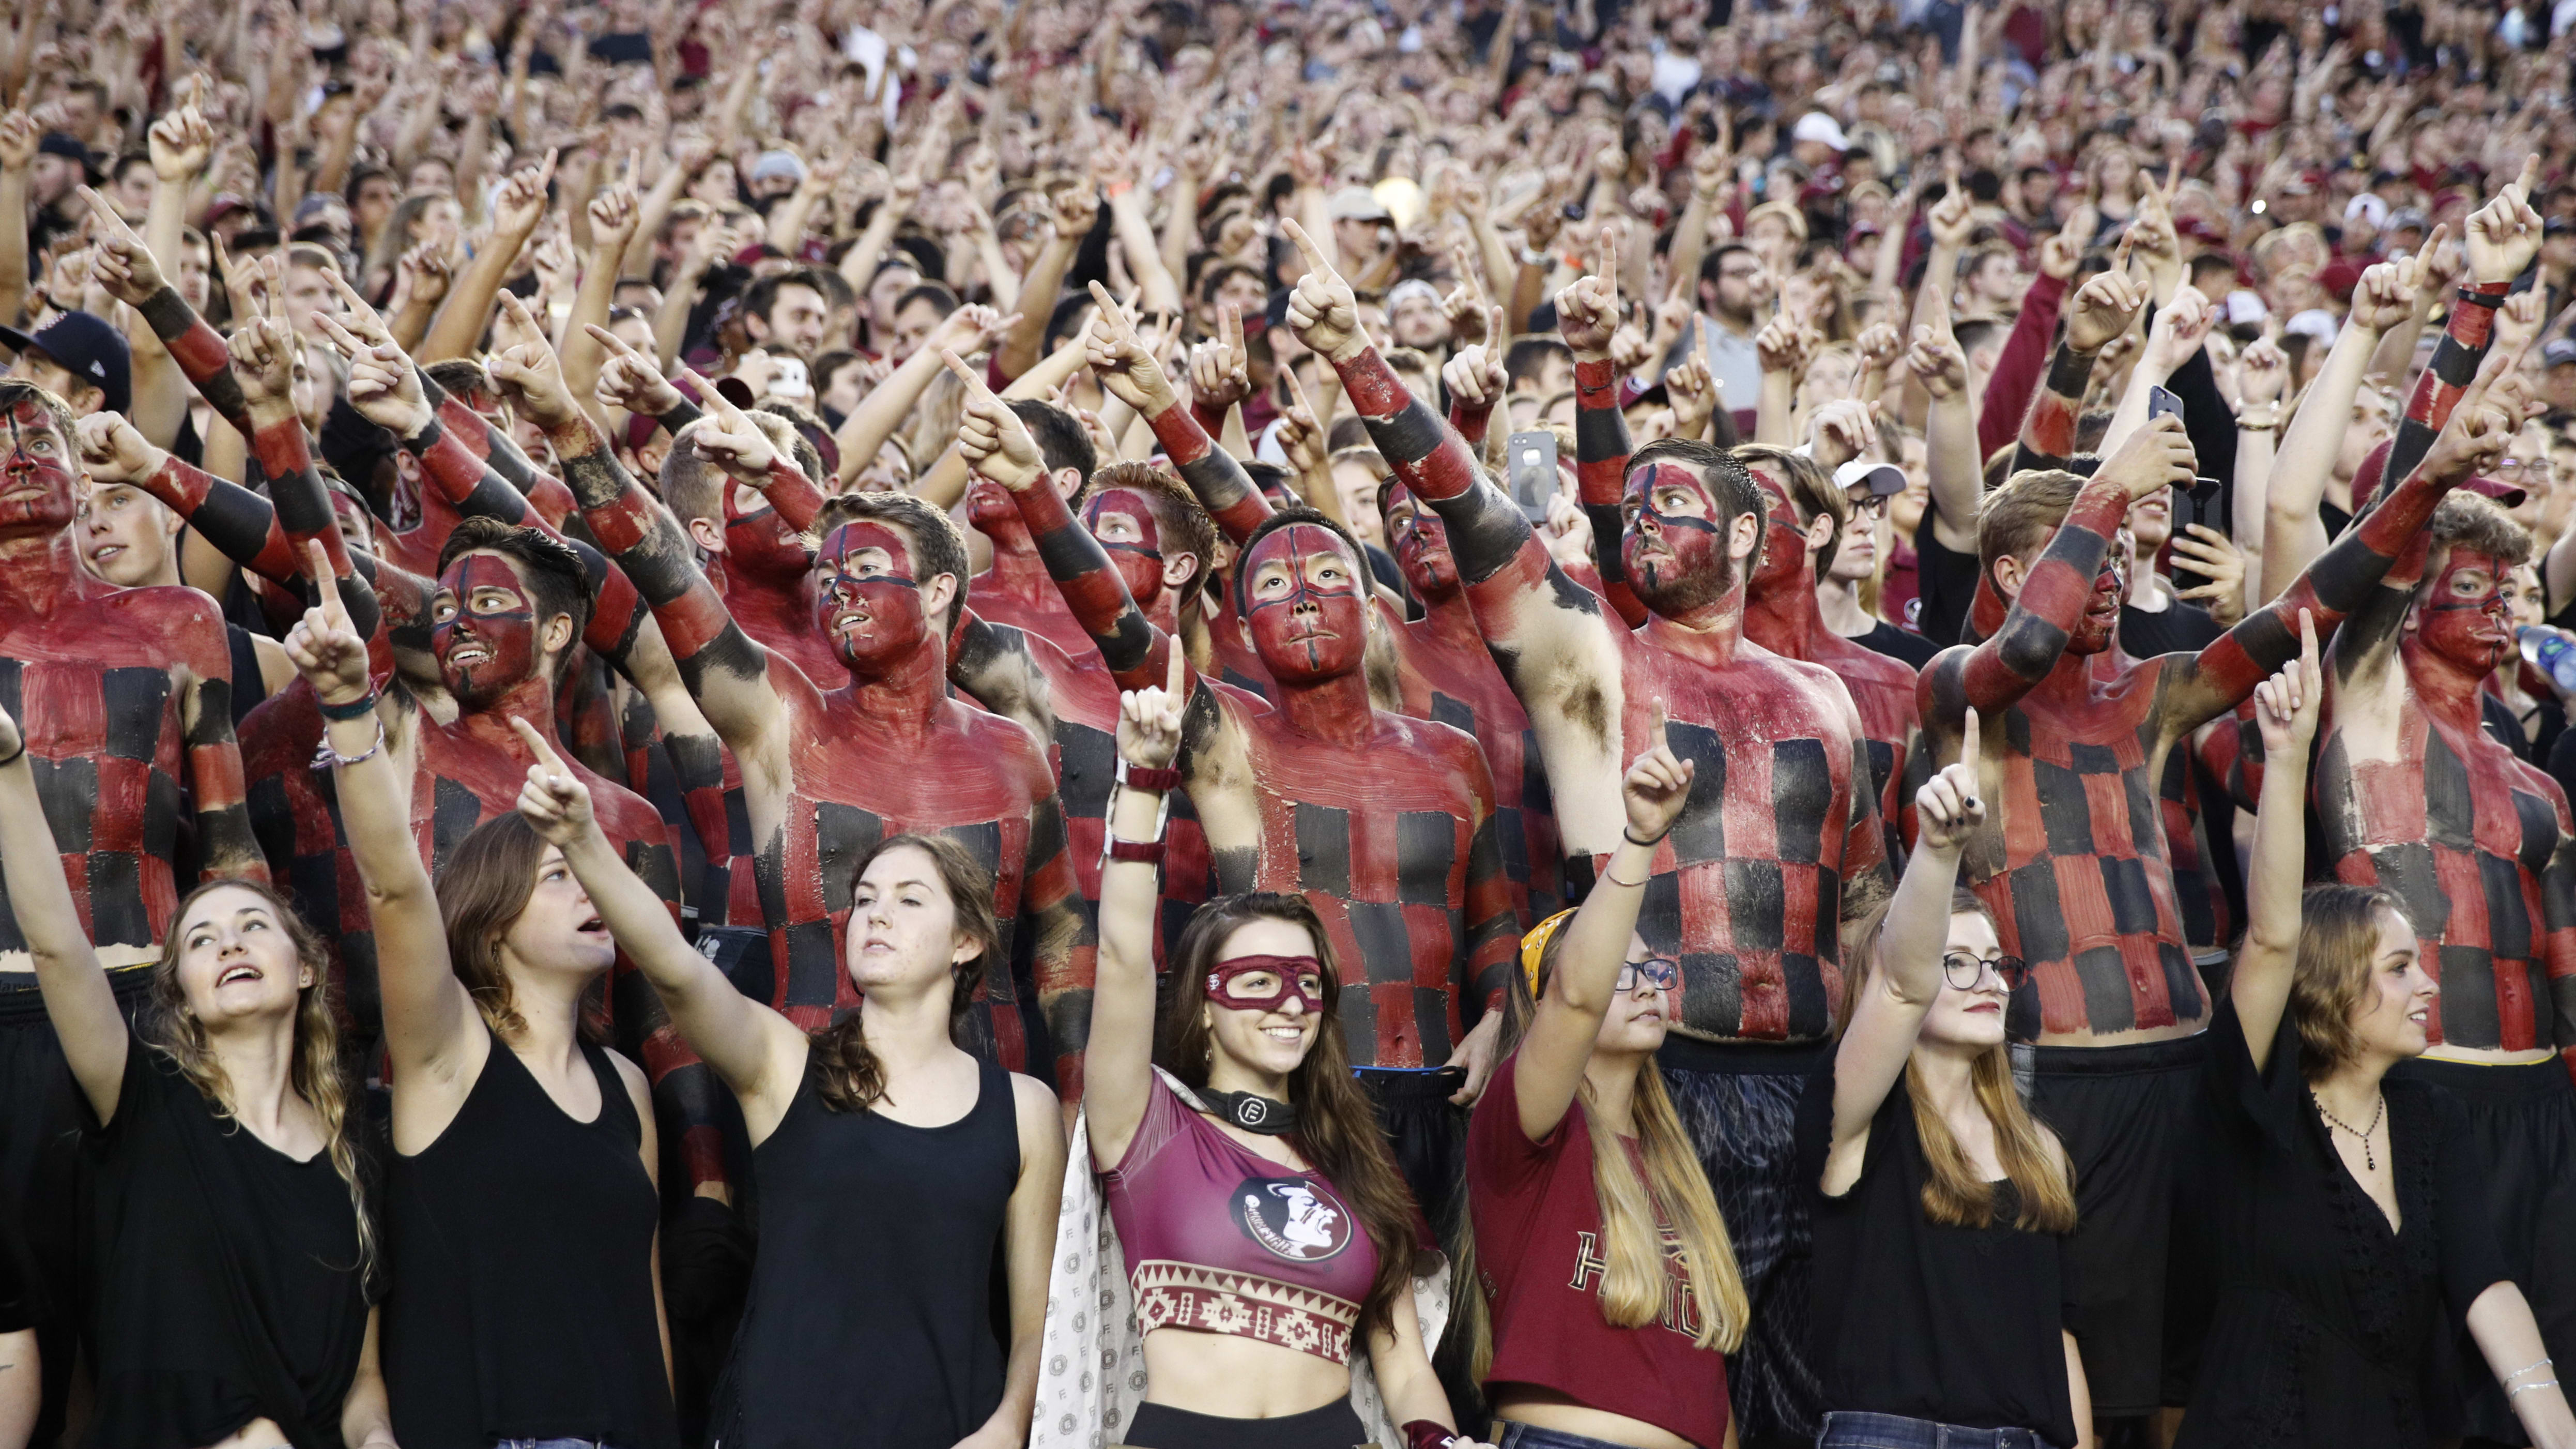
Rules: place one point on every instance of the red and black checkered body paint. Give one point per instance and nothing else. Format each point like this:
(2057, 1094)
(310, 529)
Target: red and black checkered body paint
(1749, 890)
(1015, 589)
(1082, 702)
(2463, 345)
(827, 774)
(2048, 429)
(2413, 794)
(1471, 419)
(2073, 857)
(1442, 668)
(1384, 823)
(200, 352)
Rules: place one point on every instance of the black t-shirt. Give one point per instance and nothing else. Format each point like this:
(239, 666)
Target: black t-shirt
(1956, 1325)
(1895, 643)
(2177, 628)
(227, 1273)
(17, 1282)
(1946, 585)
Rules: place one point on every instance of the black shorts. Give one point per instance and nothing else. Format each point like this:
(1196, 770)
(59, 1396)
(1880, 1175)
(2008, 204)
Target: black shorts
(1739, 1105)
(1333, 1426)
(2524, 1121)
(2125, 1114)
(43, 1176)
(1427, 1134)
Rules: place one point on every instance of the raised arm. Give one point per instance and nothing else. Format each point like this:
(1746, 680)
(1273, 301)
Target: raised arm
(1595, 954)
(889, 404)
(2293, 533)
(516, 211)
(2102, 310)
(1587, 317)
(1119, 1069)
(2025, 349)
(78, 1000)
(2501, 238)
(725, 671)
(1129, 373)
(428, 1017)
(1956, 469)
(1077, 210)
(2058, 587)
(2285, 709)
(759, 1053)
(1905, 975)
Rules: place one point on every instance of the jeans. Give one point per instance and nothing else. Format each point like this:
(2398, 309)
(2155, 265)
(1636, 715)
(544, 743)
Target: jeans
(1895, 1431)
(1511, 1434)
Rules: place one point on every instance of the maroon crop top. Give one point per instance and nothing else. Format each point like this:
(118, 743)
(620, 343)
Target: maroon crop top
(1220, 1239)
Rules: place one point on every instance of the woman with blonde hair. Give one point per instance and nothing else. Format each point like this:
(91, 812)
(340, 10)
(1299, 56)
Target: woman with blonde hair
(234, 1255)
(1942, 1204)
(1609, 1289)
(2349, 1220)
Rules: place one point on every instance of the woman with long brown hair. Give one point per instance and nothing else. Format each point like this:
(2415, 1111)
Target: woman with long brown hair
(1942, 1203)
(1266, 1230)
(1609, 1288)
(234, 1254)
(890, 1162)
(521, 1214)
(2348, 1211)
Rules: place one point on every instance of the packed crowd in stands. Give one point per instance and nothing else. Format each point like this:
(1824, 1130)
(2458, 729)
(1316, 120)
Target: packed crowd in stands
(1047, 724)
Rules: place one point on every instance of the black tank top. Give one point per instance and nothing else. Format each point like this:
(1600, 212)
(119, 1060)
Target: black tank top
(877, 1245)
(249, 686)
(522, 1303)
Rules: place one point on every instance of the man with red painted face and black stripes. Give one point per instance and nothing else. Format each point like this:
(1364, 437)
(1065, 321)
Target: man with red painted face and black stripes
(1780, 844)
(1386, 823)
(124, 697)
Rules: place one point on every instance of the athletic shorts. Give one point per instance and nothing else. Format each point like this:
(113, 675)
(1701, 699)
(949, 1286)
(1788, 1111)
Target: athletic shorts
(1427, 1134)
(2126, 1115)
(2523, 1120)
(1334, 1426)
(1739, 1105)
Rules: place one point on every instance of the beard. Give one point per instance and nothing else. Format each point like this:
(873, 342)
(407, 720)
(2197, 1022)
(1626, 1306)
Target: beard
(1667, 586)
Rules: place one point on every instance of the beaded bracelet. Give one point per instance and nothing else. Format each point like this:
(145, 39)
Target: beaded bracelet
(324, 757)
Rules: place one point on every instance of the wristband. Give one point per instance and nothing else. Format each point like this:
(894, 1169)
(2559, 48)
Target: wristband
(1139, 777)
(2488, 300)
(1139, 852)
(1630, 836)
(358, 708)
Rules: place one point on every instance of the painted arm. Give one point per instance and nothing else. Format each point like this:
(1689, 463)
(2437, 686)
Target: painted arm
(2103, 309)
(2501, 239)
(78, 1000)
(1060, 943)
(1129, 373)
(1888, 1015)
(2025, 353)
(759, 1053)
(2056, 590)
(1559, 1042)
(2285, 709)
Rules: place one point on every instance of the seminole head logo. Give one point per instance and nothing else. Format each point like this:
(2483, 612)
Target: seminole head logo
(1289, 1218)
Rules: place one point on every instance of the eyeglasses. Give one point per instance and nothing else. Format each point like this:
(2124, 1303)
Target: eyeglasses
(1964, 971)
(1662, 972)
(1868, 506)
(2519, 467)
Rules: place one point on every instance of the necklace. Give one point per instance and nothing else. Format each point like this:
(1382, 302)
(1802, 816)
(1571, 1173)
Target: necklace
(2369, 1160)
(1253, 1112)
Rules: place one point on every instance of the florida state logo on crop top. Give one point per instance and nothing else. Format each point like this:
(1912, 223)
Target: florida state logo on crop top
(1292, 1218)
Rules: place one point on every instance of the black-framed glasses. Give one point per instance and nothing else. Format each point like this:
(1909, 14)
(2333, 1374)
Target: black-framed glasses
(1662, 972)
(1964, 971)
(1869, 507)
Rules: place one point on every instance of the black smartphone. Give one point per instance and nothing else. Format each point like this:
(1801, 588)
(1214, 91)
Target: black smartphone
(1532, 470)
(2162, 403)
(2194, 505)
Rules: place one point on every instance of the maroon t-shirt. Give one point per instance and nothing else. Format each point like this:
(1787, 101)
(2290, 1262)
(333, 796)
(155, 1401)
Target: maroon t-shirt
(1541, 1254)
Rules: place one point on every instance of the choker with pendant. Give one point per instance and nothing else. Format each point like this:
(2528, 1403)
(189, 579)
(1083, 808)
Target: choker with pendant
(1252, 1112)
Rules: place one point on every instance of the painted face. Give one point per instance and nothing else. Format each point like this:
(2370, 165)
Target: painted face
(1303, 604)
(1672, 547)
(483, 627)
(1421, 544)
(867, 598)
(1267, 983)
(38, 477)
(2099, 625)
(989, 507)
(1784, 544)
(759, 542)
(2460, 616)
(1124, 523)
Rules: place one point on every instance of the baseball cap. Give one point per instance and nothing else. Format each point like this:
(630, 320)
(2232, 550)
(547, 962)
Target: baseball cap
(1356, 203)
(2558, 350)
(67, 146)
(1883, 478)
(88, 348)
(777, 163)
(1817, 126)
(2245, 307)
(2369, 207)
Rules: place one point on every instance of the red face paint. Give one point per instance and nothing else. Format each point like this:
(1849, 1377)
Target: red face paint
(2100, 622)
(1676, 560)
(483, 628)
(2462, 617)
(38, 479)
(867, 601)
(1302, 596)
(1124, 523)
(759, 543)
(989, 506)
(1421, 544)
(1784, 543)
(1268, 983)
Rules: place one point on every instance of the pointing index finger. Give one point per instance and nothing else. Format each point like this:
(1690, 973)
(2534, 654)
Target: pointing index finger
(1306, 247)
(975, 388)
(1114, 315)
(1172, 668)
(547, 759)
(1969, 738)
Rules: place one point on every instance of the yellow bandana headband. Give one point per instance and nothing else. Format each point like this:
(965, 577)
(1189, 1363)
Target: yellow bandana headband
(1534, 947)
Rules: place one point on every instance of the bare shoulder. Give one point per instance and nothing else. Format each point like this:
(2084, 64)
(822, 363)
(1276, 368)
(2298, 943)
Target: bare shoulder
(632, 1078)
(1040, 1118)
